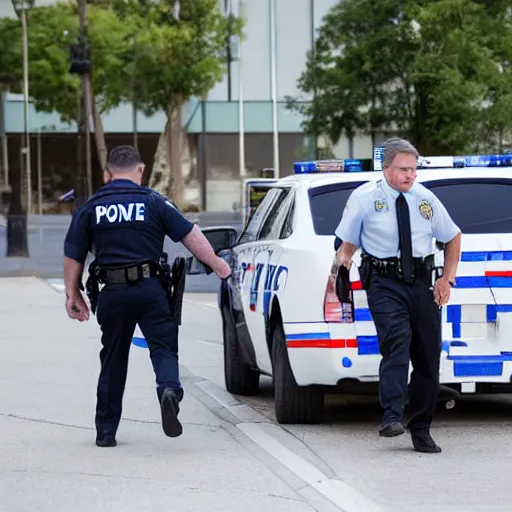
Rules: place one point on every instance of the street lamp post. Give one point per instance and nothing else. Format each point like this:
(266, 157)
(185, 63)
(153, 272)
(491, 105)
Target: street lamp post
(17, 237)
(26, 148)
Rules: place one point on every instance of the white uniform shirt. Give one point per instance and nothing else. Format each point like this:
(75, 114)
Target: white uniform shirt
(369, 220)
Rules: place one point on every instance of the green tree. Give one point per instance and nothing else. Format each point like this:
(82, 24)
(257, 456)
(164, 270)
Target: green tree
(427, 70)
(150, 50)
(52, 29)
(177, 55)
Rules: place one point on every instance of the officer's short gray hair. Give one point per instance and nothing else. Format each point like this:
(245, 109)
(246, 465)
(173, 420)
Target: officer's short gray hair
(394, 146)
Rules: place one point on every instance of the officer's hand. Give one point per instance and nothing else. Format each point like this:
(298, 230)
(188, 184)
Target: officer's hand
(222, 269)
(442, 290)
(77, 308)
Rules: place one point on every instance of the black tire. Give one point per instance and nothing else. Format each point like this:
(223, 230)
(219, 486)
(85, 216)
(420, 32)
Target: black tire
(239, 378)
(293, 403)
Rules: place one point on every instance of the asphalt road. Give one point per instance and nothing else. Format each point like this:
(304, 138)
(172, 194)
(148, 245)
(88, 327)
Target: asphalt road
(48, 458)
(471, 475)
(233, 455)
(46, 238)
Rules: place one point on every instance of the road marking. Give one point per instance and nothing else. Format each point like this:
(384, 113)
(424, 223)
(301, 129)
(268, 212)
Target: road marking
(204, 305)
(345, 497)
(206, 342)
(57, 284)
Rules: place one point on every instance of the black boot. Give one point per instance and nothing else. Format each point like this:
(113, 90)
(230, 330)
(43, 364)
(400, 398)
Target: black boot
(423, 442)
(106, 438)
(391, 429)
(170, 409)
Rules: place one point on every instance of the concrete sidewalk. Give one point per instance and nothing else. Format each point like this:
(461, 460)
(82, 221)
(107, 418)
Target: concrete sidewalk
(48, 459)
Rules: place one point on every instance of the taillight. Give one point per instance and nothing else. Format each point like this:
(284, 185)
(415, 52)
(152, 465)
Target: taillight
(334, 311)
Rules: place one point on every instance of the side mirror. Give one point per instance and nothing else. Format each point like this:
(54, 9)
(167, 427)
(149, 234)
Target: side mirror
(221, 238)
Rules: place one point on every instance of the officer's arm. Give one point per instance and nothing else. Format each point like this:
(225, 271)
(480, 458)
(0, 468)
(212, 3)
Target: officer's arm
(201, 248)
(76, 246)
(349, 230)
(446, 231)
(180, 229)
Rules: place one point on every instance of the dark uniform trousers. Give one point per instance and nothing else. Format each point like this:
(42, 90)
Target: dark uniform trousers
(120, 308)
(408, 324)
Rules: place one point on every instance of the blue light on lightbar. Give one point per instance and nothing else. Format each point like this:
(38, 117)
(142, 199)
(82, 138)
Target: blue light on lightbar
(483, 161)
(458, 162)
(450, 162)
(327, 166)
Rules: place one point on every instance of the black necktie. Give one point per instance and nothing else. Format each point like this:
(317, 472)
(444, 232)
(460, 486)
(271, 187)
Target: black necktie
(404, 235)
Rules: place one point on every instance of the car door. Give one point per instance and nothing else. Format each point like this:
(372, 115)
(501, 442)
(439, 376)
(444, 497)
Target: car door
(267, 273)
(253, 255)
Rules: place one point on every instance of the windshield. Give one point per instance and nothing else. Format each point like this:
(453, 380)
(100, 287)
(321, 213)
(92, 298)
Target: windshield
(476, 206)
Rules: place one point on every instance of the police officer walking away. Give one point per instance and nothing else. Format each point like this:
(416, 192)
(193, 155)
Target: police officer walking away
(125, 224)
(394, 221)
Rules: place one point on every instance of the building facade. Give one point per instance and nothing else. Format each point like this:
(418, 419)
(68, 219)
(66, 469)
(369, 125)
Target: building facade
(214, 126)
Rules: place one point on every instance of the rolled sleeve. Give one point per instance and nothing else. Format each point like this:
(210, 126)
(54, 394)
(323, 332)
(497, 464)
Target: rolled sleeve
(349, 228)
(176, 226)
(443, 227)
(78, 238)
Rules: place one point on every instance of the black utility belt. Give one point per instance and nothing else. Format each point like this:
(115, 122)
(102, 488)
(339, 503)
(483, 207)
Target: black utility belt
(125, 275)
(422, 267)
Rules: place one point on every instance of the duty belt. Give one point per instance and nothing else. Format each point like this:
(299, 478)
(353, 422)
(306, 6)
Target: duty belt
(393, 266)
(130, 274)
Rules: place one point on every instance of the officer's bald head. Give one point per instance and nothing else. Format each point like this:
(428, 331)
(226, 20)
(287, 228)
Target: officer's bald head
(125, 162)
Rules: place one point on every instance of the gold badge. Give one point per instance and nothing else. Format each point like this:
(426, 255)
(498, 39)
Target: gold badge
(426, 209)
(381, 206)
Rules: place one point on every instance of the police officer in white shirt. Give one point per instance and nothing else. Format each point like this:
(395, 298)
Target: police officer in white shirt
(394, 222)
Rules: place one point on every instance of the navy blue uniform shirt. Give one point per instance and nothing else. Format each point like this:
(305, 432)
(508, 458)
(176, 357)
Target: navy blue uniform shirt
(124, 224)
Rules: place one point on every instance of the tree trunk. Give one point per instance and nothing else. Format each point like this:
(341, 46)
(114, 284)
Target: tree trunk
(161, 165)
(99, 134)
(176, 186)
(167, 176)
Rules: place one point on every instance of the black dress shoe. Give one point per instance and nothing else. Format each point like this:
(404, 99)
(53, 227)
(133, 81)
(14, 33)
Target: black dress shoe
(423, 442)
(391, 429)
(170, 410)
(106, 438)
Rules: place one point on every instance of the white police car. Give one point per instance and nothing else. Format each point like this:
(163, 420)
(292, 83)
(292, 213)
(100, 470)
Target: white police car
(281, 316)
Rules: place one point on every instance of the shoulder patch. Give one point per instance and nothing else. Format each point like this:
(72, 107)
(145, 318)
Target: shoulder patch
(426, 209)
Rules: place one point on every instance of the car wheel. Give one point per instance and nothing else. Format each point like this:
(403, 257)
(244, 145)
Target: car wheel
(293, 403)
(239, 378)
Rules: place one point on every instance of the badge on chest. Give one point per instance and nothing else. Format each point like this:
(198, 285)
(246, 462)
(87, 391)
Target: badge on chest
(119, 212)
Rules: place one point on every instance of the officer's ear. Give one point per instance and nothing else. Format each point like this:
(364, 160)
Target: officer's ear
(141, 168)
(107, 176)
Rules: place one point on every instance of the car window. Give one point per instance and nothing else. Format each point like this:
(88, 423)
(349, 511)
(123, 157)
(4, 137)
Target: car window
(250, 233)
(287, 226)
(480, 205)
(274, 220)
(477, 206)
(327, 204)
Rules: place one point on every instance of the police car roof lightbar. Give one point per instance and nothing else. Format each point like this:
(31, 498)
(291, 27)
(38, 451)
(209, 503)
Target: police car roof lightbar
(314, 166)
(450, 162)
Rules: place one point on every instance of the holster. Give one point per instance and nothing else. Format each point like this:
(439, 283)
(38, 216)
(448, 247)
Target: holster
(92, 287)
(173, 283)
(365, 273)
(342, 285)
